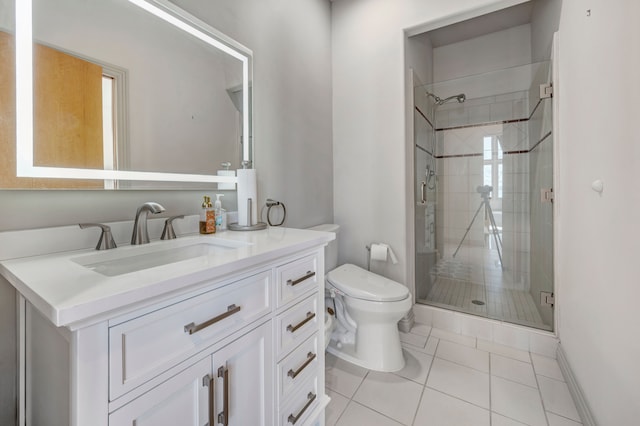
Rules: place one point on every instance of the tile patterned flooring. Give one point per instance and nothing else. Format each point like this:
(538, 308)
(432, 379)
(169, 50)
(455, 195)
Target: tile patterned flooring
(451, 380)
(476, 275)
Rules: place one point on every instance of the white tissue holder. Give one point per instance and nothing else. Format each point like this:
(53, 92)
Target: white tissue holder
(379, 252)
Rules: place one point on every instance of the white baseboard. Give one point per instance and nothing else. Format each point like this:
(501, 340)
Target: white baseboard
(503, 333)
(574, 388)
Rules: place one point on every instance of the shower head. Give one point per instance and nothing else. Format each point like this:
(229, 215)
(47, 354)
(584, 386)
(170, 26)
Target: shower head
(460, 98)
(439, 101)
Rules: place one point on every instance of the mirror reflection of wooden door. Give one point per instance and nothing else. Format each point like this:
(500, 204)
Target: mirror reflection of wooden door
(67, 116)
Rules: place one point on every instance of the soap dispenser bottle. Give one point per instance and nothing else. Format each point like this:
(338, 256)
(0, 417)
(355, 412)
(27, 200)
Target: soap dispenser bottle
(207, 217)
(221, 214)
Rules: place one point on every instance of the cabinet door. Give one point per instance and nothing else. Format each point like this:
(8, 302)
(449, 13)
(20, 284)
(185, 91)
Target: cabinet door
(182, 400)
(244, 381)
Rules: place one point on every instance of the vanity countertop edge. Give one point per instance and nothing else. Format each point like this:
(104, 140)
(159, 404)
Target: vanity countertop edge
(70, 295)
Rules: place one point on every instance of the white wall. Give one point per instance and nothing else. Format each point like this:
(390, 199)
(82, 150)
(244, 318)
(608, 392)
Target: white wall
(292, 127)
(292, 92)
(419, 58)
(495, 51)
(292, 123)
(370, 167)
(598, 234)
(597, 280)
(544, 22)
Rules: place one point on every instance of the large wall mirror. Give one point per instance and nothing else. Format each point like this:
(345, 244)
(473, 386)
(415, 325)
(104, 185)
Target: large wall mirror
(119, 94)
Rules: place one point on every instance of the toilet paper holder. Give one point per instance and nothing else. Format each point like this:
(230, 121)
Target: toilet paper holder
(379, 252)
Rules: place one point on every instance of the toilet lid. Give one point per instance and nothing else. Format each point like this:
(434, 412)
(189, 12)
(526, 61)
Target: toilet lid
(361, 284)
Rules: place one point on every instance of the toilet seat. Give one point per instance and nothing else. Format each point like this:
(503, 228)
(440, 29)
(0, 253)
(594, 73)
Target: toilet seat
(361, 284)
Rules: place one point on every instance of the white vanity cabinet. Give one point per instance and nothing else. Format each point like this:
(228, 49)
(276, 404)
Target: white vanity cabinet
(230, 387)
(233, 344)
(214, 390)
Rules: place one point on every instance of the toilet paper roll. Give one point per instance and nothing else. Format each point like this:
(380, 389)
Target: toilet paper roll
(247, 189)
(225, 185)
(392, 255)
(379, 252)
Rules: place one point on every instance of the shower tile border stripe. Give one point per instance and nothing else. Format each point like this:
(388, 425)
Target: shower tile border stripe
(424, 116)
(523, 151)
(425, 150)
(489, 123)
(541, 140)
(459, 155)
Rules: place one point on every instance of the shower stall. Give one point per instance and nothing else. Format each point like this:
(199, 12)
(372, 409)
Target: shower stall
(484, 192)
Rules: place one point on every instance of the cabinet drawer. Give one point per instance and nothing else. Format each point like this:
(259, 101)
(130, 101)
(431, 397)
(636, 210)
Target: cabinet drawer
(302, 403)
(296, 278)
(297, 367)
(297, 324)
(141, 348)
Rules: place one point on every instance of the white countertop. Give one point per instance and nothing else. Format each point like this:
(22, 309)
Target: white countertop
(69, 294)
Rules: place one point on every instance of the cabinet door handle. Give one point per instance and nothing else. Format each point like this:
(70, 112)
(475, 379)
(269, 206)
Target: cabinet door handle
(305, 277)
(310, 357)
(293, 419)
(293, 328)
(194, 328)
(223, 417)
(209, 381)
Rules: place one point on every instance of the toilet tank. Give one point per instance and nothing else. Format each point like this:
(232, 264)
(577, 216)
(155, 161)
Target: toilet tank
(331, 250)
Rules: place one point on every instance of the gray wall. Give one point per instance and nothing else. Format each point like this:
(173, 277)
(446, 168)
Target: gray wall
(292, 132)
(597, 248)
(370, 124)
(545, 20)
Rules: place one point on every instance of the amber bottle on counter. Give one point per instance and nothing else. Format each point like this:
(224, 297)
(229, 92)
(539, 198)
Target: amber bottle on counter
(207, 217)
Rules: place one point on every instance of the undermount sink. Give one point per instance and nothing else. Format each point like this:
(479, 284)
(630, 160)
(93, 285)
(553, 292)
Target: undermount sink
(138, 258)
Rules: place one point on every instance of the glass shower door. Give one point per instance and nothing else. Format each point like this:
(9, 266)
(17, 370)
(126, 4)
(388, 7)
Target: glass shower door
(484, 227)
(425, 193)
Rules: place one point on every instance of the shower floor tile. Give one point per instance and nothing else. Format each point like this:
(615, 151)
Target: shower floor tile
(473, 282)
(451, 388)
(510, 305)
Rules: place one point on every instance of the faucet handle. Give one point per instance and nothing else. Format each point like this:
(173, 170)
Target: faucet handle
(106, 240)
(168, 233)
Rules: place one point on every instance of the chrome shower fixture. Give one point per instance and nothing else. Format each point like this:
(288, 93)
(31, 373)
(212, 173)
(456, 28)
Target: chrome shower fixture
(439, 101)
(429, 171)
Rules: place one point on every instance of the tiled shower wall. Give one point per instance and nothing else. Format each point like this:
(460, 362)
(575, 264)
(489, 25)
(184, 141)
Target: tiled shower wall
(460, 137)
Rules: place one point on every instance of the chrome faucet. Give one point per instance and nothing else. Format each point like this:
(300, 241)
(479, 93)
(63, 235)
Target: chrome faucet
(140, 232)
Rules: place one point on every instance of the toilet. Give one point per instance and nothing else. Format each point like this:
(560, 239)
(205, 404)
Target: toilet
(367, 309)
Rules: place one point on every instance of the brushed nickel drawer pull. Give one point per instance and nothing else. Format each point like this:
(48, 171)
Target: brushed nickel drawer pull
(293, 328)
(308, 275)
(310, 357)
(194, 328)
(223, 417)
(293, 419)
(209, 381)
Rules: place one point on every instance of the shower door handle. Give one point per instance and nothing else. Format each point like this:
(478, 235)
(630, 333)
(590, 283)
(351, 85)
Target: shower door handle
(423, 187)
